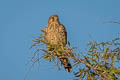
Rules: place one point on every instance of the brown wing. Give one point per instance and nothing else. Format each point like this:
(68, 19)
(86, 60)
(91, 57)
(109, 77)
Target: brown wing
(62, 34)
(63, 39)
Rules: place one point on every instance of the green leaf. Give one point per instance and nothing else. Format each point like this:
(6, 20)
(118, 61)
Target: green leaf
(75, 79)
(78, 62)
(105, 52)
(42, 30)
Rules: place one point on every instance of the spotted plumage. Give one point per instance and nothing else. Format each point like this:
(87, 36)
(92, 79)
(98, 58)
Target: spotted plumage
(56, 35)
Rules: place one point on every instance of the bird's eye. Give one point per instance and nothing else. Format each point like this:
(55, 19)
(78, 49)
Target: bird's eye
(52, 18)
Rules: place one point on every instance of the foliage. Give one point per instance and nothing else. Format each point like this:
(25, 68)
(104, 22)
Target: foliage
(102, 60)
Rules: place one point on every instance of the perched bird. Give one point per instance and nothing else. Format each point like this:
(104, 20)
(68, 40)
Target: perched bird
(56, 35)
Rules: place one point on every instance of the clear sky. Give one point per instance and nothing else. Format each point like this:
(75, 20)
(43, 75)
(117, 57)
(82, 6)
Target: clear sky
(21, 21)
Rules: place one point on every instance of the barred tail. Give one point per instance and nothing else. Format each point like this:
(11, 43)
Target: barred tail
(66, 63)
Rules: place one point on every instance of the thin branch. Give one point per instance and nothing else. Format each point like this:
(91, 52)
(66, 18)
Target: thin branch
(111, 22)
(87, 64)
(82, 61)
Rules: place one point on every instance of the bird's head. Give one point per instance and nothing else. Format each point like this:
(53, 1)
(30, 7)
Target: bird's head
(53, 18)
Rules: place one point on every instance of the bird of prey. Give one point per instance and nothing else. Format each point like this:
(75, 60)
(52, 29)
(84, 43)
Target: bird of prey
(56, 35)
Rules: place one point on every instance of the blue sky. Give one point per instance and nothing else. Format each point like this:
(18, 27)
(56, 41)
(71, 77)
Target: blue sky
(21, 21)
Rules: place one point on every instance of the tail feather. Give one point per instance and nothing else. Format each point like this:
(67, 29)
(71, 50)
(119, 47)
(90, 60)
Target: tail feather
(68, 68)
(66, 63)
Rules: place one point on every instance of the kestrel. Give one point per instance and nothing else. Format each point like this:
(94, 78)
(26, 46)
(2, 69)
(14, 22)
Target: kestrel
(56, 35)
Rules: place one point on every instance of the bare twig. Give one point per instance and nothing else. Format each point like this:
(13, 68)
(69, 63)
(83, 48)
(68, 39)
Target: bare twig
(111, 22)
